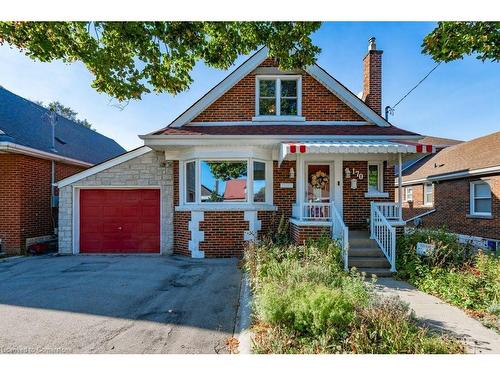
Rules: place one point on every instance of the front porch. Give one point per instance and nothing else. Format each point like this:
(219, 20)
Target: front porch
(344, 190)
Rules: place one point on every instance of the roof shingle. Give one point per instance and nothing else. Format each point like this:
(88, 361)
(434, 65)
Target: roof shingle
(23, 122)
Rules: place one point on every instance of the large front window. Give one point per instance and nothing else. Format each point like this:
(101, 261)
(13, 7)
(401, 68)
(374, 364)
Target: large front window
(278, 96)
(226, 181)
(223, 181)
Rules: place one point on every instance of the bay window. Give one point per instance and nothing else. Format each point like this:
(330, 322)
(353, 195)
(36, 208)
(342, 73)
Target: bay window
(278, 96)
(208, 181)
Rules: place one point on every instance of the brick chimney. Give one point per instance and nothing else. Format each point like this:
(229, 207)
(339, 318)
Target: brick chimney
(372, 77)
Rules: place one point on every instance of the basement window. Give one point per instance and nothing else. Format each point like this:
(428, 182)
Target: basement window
(278, 97)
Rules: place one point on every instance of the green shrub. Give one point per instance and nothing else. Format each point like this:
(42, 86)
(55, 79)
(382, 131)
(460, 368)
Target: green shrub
(387, 327)
(304, 302)
(454, 272)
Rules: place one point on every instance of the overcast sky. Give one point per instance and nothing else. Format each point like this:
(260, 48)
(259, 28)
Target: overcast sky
(459, 100)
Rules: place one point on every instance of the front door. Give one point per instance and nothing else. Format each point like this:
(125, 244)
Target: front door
(318, 190)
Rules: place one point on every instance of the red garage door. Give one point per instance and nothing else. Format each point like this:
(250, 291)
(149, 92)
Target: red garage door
(119, 221)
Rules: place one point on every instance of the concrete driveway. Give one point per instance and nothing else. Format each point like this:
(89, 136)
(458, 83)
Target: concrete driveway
(117, 304)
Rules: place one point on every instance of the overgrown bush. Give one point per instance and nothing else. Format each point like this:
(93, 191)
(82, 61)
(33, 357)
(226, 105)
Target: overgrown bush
(305, 303)
(454, 272)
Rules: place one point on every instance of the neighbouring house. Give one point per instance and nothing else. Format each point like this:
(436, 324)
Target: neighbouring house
(35, 152)
(262, 144)
(457, 188)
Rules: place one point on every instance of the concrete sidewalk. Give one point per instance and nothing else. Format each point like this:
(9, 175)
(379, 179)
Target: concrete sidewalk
(437, 314)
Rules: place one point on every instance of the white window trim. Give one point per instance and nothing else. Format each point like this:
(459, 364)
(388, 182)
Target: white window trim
(426, 202)
(380, 183)
(249, 201)
(278, 116)
(472, 198)
(408, 188)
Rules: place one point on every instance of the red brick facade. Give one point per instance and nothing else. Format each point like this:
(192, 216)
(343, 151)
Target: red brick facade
(372, 80)
(356, 205)
(452, 205)
(299, 234)
(416, 206)
(25, 201)
(238, 103)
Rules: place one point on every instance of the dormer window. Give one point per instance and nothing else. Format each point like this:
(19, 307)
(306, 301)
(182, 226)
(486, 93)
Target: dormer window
(278, 97)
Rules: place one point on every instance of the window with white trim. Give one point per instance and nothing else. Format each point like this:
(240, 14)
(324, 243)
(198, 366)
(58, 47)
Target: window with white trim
(375, 177)
(278, 96)
(428, 194)
(480, 198)
(240, 181)
(409, 194)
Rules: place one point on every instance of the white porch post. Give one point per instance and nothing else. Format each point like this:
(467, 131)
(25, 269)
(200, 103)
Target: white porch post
(400, 187)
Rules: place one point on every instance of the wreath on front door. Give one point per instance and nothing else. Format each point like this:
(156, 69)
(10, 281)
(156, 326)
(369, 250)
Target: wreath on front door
(319, 180)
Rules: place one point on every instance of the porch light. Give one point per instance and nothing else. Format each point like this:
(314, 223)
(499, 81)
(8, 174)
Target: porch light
(292, 173)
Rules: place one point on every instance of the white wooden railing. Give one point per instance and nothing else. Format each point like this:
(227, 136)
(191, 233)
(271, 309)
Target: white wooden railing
(340, 232)
(390, 210)
(383, 232)
(312, 211)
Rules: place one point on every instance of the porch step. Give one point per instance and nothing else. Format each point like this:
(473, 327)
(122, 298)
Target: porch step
(369, 262)
(363, 242)
(365, 252)
(359, 234)
(379, 272)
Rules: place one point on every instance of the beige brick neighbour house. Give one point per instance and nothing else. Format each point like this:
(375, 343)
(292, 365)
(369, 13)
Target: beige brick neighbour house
(457, 188)
(262, 145)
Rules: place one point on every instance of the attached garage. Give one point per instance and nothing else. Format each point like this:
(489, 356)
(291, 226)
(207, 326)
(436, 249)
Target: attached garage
(119, 220)
(121, 206)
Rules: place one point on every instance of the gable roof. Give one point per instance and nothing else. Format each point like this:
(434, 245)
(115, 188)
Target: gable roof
(347, 96)
(24, 123)
(439, 142)
(460, 160)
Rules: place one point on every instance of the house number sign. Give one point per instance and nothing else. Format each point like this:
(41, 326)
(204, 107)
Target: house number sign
(354, 175)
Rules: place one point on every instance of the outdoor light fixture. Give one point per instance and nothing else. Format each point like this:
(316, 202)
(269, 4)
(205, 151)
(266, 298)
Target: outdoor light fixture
(292, 173)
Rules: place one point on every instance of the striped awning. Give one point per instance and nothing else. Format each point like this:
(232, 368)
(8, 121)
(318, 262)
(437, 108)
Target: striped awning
(353, 147)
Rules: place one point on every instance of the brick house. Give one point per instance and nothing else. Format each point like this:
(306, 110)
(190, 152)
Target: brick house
(457, 188)
(32, 157)
(299, 144)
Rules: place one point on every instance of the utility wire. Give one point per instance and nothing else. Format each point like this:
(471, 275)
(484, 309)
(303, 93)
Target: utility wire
(390, 109)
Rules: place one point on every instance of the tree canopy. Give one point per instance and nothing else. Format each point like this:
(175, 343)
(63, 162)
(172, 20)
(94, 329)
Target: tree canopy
(453, 40)
(129, 59)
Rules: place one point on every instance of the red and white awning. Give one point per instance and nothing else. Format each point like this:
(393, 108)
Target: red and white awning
(353, 147)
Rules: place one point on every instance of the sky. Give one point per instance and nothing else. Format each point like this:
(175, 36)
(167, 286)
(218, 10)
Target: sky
(459, 100)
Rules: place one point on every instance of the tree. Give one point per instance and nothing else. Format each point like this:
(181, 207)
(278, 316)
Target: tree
(453, 40)
(67, 112)
(129, 59)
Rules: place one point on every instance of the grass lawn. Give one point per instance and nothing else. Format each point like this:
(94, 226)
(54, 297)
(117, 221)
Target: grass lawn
(454, 272)
(305, 303)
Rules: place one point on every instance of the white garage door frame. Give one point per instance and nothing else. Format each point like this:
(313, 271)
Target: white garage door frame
(76, 213)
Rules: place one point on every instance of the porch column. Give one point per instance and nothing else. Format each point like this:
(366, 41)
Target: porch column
(400, 187)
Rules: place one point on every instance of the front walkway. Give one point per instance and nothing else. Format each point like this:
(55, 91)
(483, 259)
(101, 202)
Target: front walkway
(437, 314)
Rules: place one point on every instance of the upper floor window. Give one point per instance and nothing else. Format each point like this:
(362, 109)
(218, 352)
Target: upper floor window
(480, 198)
(428, 194)
(278, 96)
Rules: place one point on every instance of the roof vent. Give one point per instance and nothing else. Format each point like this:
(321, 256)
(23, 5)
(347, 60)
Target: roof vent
(372, 44)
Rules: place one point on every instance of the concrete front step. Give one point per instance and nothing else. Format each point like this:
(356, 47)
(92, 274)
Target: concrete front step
(368, 262)
(365, 252)
(379, 272)
(359, 234)
(362, 242)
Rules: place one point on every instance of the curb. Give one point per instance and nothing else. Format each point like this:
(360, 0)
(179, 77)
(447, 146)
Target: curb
(243, 319)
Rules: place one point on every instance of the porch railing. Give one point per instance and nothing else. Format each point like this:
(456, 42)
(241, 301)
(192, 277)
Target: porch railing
(312, 211)
(390, 210)
(384, 233)
(340, 232)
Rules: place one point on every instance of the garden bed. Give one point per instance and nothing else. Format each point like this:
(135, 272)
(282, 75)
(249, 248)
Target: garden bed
(455, 272)
(305, 303)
